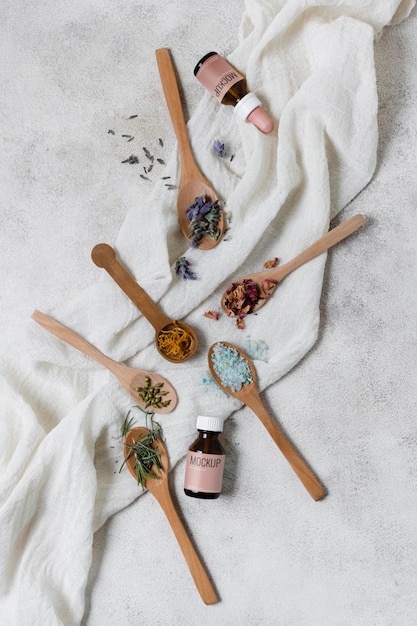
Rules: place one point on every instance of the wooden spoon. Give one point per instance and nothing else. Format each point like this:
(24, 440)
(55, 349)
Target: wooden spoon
(279, 273)
(159, 487)
(129, 377)
(249, 395)
(192, 182)
(104, 256)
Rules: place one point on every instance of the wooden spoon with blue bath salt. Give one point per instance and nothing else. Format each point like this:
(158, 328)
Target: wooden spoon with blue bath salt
(159, 488)
(130, 378)
(192, 183)
(267, 280)
(175, 340)
(234, 372)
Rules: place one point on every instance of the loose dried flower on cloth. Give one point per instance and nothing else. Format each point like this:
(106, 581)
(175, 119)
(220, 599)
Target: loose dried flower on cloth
(182, 268)
(219, 149)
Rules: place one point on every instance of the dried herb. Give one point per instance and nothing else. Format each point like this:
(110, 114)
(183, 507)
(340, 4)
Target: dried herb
(271, 263)
(175, 342)
(132, 159)
(148, 154)
(204, 217)
(147, 457)
(152, 395)
(241, 298)
(212, 315)
(182, 268)
(219, 148)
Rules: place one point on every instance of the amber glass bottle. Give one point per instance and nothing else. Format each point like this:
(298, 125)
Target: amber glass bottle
(205, 460)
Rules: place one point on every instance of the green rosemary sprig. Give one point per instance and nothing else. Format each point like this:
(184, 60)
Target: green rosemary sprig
(145, 454)
(128, 424)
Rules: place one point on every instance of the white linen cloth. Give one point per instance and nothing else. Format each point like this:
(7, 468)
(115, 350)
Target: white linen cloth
(311, 63)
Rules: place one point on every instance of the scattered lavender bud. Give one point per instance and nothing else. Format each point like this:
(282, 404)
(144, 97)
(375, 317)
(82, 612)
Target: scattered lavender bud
(182, 268)
(219, 148)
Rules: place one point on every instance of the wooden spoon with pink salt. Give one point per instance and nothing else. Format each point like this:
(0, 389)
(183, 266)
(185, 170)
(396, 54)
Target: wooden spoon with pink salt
(247, 294)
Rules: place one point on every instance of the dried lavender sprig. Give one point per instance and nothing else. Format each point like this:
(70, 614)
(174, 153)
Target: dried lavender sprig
(182, 268)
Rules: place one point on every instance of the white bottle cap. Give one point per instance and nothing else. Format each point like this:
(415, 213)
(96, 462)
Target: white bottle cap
(246, 105)
(250, 107)
(214, 424)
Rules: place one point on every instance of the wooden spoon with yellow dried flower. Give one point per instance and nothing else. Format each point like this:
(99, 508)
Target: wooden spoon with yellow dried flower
(175, 340)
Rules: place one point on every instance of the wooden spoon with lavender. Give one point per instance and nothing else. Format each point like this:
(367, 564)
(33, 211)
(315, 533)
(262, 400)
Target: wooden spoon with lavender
(234, 373)
(199, 210)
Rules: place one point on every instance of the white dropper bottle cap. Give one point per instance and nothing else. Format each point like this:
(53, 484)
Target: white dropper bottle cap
(250, 108)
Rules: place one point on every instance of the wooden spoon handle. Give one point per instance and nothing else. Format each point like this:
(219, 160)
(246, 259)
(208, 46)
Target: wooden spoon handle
(173, 100)
(328, 240)
(304, 473)
(74, 340)
(104, 256)
(199, 574)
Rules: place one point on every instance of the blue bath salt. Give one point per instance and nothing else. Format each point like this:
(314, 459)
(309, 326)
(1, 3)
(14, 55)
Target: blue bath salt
(232, 369)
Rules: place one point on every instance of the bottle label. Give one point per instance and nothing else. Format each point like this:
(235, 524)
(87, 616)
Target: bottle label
(217, 76)
(204, 472)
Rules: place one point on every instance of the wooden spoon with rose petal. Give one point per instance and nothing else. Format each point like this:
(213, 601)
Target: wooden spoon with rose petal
(267, 280)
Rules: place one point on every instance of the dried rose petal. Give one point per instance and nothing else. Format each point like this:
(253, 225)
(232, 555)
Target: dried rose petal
(271, 263)
(241, 299)
(268, 285)
(213, 315)
(240, 324)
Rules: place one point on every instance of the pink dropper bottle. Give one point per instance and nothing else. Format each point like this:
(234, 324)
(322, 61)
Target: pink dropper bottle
(229, 87)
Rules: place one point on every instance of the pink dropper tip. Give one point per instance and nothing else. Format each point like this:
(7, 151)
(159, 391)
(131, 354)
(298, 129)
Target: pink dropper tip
(261, 120)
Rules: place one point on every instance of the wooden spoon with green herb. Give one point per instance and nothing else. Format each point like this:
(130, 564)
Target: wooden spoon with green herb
(175, 340)
(156, 481)
(192, 183)
(247, 294)
(234, 372)
(149, 390)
